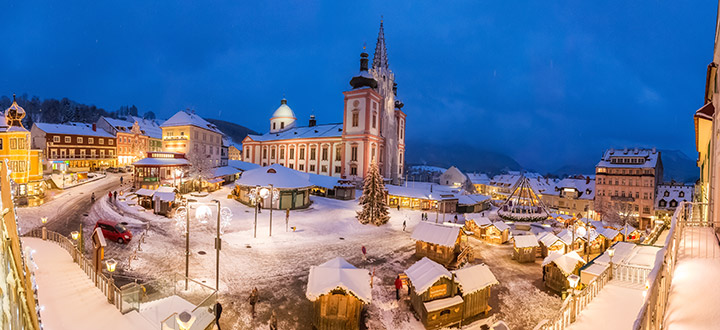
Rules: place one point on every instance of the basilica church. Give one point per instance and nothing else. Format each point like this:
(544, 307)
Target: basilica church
(373, 130)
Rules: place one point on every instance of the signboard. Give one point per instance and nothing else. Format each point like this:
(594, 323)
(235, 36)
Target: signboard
(438, 291)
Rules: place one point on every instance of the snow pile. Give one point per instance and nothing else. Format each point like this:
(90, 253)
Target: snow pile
(566, 262)
(526, 241)
(338, 273)
(436, 234)
(474, 278)
(424, 273)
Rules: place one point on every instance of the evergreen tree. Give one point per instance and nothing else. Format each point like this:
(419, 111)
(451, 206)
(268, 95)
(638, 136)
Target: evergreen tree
(373, 200)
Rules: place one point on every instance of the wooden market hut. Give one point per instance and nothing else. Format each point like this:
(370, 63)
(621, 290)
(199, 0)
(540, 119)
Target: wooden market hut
(338, 292)
(497, 233)
(478, 227)
(610, 236)
(434, 294)
(474, 283)
(595, 242)
(525, 248)
(550, 243)
(443, 243)
(557, 267)
(629, 233)
(572, 242)
(293, 187)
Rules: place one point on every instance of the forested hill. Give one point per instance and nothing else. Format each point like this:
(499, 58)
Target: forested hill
(234, 131)
(65, 110)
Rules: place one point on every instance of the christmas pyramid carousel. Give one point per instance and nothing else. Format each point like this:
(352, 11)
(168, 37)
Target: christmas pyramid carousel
(523, 204)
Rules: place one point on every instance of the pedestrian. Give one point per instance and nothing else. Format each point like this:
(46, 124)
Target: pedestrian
(218, 311)
(364, 252)
(115, 195)
(121, 180)
(92, 197)
(456, 218)
(273, 321)
(404, 224)
(398, 286)
(253, 300)
(398, 206)
(109, 195)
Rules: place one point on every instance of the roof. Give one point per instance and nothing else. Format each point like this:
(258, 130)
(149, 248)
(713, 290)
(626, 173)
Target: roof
(421, 192)
(144, 192)
(478, 178)
(73, 129)
(241, 165)
(525, 241)
(646, 158)
(304, 132)
(161, 162)
(436, 233)
(472, 199)
(567, 236)
(673, 192)
(584, 187)
(706, 111)
(277, 175)
(424, 273)
(595, 269)
(338, 273)
(482, 221)
(501, 226)
(548, 239)
(150, 127)
(439, 304)
(474, 278)
(119, 124)
(608, 233)
(566, 262)
(224, 171)
(631, 254)
(283, 110)
(184, 118)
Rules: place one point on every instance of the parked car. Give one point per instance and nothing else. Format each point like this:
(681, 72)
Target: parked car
(114, 231)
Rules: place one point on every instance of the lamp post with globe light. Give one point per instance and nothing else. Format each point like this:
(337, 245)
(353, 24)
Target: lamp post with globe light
(573, 281)
(110, 265)
(75, 236)
(273, 194)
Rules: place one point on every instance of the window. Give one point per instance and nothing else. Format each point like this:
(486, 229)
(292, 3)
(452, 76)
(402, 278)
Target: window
(325, 154)
(323, 168)
(292, 166)
(338, 169)
(272, 153)
(372, 153)
(353, 170)
(292, 153)
(67, 139)
(673, 203)
(79, 139)
(265, 153)
(13, 143)
(301, 167)
(274, 126)
(662, 203)
(353, 153)
(374, 122)
(247, 152)
(91, 140)
(56, 139)
(312, 153)
(312, 168)
(681, 194)
(302, 153)
(667, 194)
(282, 124)
(101, 140)
(338, 154)
(1, 144)
(110, 141)
(282, 153)
(355, 118)
(637, 195)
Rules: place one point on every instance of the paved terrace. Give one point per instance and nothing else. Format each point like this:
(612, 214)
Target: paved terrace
(69, 297)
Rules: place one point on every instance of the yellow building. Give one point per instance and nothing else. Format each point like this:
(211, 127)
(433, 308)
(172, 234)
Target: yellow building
(189, 134)
(234, 153)
(25, 164)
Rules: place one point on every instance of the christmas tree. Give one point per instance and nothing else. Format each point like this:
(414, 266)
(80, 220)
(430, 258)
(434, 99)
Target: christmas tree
(374, 210)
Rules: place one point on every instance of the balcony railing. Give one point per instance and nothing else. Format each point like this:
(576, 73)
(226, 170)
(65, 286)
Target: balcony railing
(80, 157)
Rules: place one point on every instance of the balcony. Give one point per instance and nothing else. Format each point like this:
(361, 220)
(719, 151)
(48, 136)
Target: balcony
(622, 198)
(80, 157)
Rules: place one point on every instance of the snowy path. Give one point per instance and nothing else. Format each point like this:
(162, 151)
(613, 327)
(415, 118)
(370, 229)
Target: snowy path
(695, 289)
(616, 307)
(70, 299)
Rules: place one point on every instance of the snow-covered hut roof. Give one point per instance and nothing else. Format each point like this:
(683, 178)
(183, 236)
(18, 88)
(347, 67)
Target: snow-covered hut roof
(631, 254)
(482, 222)
(150, 161)
(478, 178)
(474, 278)
(424, 273)
(436, 233)
(304, 132)
(608, 233)
(567, 236)
(323, 181)
(501, 226)
(184, 118)
(597, 224)
(338, 273)
(548, 239)
(525, 241)
(73, 129)
(472, 199)
(223, 171)
(420, 193)
(566, 262)
(144, 192)
(241, 165)
(279, 176)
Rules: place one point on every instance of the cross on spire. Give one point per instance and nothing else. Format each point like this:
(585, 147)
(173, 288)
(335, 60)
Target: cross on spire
(380, 59)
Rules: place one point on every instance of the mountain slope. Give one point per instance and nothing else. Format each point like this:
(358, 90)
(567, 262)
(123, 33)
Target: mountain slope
(234, 131)
(679, 167)
(465, 157)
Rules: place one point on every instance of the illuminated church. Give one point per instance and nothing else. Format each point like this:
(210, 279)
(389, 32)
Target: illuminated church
(373, 130)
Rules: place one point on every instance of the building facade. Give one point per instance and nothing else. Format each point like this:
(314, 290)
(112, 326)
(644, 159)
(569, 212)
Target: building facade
(234, 153)
(189, 134)
(572, 196)
(25, 163)
(373, 130)
(626, 181)
(74, 146)
(132, 144)
(669, 196)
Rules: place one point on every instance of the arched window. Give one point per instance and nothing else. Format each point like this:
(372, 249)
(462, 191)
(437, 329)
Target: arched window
(667, 193)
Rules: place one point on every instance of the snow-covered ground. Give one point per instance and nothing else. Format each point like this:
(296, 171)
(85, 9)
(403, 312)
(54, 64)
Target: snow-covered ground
(695, 289)
(615, 307)
(68, 298)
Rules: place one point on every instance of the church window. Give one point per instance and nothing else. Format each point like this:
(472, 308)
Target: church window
(265, 153)
(272, 153)
(274, 126)
(338, 169)
(372, 154)
(355, 118)
(301, 167)
(353, 170)
(292, 153)
(325, 154)
(323, 169)
(302, 153)
(312, 153)
(282, 153)
(353, 153)
(282, 124)
(312, 168)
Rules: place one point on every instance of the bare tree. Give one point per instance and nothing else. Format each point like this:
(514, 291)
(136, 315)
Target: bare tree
(618, 213)
(200, 168)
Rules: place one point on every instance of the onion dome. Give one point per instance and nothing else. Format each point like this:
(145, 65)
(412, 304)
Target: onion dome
(364, 79)
(283, 111)
(14, 114)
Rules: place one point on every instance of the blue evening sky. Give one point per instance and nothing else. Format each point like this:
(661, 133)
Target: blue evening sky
(546, 82)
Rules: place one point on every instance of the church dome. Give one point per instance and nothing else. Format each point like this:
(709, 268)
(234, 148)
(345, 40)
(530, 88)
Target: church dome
(283, 111)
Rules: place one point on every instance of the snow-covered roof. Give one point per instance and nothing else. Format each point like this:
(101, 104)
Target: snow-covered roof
(241, 165)
(566, 262)
(472, 199)
(119, 124)
(672, 192)
(148, 126)
(436, 233)
(567, 236)
(630, 158)
(73, 129)
(548, 239)
(420, 193)
(438, 304)
(338, 273)
(184, 118)
(145, 192)
(478, 178)
(474, 278)
(424, 273)
(283, 111)
(323, 181)
(501, 226)
(223, 171)
(161, 162)
(525, 241)
(164, 196)
(305, 132)
(584, 187)
(631, 254)
(608, 233)
(595, 269)
(428, 168)
(279, 176)
(482, 222)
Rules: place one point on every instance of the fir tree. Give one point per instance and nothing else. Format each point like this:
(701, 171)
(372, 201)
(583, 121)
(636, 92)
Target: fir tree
(374, 210)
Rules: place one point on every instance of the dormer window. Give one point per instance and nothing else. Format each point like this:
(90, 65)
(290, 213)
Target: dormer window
(667, 194)
(681, 194)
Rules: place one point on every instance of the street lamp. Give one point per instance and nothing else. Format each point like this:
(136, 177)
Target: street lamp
(44, 229)
(273, 194)
(573, 280)
(75, 236)
(110, 264)
(611, 253)
(63, 172)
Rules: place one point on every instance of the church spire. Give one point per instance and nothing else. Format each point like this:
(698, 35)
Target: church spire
(380, 59)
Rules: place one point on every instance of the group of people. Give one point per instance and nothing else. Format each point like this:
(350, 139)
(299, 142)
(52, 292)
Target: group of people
(424, 216)
(253, 299)
(112, 195)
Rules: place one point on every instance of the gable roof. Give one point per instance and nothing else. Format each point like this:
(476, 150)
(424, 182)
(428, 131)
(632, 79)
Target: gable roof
(304, 132)
(436, 233)
(565, 262)
(184, 118)
(525, 241)
(474, 278)
(72, 129)
(425, 273)
(500, 225)
(548, 239)
(338, 273)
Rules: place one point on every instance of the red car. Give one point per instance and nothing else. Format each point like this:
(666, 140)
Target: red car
(114, 231)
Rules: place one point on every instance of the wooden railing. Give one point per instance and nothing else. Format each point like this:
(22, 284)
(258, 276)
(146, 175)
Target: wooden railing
(105, 284)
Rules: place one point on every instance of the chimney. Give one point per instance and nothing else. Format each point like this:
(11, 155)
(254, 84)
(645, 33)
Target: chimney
(94, 127)
(312, 122)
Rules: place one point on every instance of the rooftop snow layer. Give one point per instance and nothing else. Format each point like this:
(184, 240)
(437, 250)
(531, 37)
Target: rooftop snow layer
(338, 273)
(439, 304)
(241, 165)
(501, 226)
(424, 273)
(305, 132)
(73, 129)
(161, 162)
(616, 158)
(184, 118)
(282, 177)
(566, 262)
(525, 241)
(436, 234)
(474, 278)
